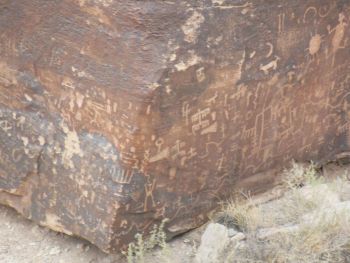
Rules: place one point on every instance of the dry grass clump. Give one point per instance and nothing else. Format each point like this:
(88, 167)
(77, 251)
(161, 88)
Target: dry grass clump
(326, 241)
(245, 216)
(300, 175)
(137, 251)
(309, 224)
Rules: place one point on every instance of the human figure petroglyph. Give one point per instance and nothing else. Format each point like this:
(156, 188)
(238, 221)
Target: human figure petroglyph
(149, 198)
(338, 37)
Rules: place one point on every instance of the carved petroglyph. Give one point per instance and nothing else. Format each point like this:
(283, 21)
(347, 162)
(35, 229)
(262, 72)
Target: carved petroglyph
(120, 175)
(220, 4)
(338, 41)
(162, 119)
(200, 74)
(192, 60)
(16, 155)
(315, 44)
(160, 155)
(281, 22)
(71, 147)
(270, 66)
(189, 155)
(211, 129)
(213, 99)
(325, 10)
(7, 75)
(191, 27)
(178, 150)
(5, 125)
(200, 120)
(269, 54)
(311, 11)
(149, 198)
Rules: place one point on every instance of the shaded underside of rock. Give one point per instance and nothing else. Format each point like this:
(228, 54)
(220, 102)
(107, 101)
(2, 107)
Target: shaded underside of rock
(117, 114)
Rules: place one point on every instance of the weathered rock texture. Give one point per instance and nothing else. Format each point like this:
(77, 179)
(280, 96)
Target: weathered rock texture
(117, 114)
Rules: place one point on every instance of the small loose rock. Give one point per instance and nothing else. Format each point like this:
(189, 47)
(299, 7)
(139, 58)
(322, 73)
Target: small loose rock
(232, 232)
(238, 237)
(213, 242)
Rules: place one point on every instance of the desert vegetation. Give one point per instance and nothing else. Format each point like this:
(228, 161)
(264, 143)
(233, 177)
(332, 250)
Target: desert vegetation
(157, 240)
(309, 222)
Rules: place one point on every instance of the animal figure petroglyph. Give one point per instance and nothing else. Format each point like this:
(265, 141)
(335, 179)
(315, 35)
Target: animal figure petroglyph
(272, 65)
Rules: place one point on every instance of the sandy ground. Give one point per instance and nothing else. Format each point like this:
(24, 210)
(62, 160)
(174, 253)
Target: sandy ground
(21, 241)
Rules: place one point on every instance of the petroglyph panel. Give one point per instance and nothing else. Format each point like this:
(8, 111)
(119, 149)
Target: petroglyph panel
(117, 114)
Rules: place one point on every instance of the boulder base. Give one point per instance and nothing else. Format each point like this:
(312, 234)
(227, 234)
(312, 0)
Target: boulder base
(117, 114)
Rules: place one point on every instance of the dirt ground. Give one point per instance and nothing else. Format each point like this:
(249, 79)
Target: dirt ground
(22, 241)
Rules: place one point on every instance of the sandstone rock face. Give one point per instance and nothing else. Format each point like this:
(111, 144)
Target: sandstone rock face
(117, 114)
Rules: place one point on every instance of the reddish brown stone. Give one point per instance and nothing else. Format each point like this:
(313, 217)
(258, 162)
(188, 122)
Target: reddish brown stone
(117, 114)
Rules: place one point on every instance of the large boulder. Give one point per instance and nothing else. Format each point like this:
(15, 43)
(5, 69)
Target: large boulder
(117, 114)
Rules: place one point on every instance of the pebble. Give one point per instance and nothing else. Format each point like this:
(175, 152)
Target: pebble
(231, 232)
(238, 237)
